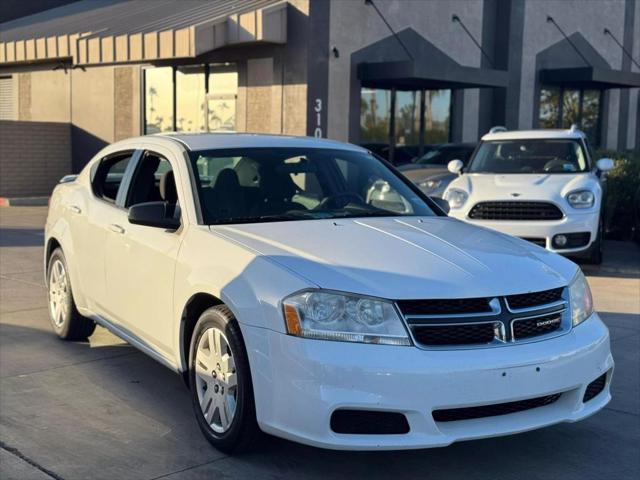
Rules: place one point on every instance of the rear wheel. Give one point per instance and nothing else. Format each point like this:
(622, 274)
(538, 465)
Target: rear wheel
(220, 380)
(63, 314)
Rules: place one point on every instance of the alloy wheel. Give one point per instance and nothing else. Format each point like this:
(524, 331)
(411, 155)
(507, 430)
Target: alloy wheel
(58, 293)
(216, 380)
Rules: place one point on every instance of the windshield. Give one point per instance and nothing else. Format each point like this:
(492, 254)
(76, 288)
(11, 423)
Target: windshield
(529, 156)
(278, 184)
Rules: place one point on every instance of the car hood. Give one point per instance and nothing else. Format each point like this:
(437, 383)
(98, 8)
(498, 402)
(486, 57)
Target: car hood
(423, 174)
(523, 186)
(401, 258)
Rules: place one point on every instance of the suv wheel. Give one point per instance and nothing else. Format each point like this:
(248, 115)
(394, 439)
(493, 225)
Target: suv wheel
(595, 252)
(220, 381)
(65, 318)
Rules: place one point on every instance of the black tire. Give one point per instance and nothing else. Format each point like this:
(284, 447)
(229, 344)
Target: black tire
(70, 325)
(594, 256)
(243, 430)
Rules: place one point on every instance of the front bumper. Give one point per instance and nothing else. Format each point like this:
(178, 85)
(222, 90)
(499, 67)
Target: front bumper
(298, 383)
(543, 230)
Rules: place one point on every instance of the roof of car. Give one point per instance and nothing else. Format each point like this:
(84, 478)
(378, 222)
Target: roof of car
(534, 134)
(214, 140)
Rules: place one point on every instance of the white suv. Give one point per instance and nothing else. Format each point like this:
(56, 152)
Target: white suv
(539, 185)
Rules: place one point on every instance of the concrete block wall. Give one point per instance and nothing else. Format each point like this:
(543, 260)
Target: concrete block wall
(33, 157)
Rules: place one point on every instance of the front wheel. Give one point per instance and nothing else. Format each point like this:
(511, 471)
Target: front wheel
(63, 314)
(220, 381)
(595, 251)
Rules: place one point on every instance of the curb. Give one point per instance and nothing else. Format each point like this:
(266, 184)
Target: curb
(24, 202)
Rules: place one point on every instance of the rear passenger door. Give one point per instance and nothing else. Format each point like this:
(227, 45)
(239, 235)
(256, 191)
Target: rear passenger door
(140, 260)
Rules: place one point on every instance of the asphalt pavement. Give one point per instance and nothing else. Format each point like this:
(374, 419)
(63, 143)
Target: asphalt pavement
(102, 410)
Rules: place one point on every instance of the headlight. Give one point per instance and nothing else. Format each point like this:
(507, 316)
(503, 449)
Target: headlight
(581, 199)
(455, 197)
(344, 317)
(581, 300)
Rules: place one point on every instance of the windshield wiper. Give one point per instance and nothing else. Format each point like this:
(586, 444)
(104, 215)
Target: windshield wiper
(285, 217)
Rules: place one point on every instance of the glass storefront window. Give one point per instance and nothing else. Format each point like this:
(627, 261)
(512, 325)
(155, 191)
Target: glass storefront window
(437, 116)
(158, 95)
(570, 108)
(562, 107)
(205, 98)
(221, 100)
(407, 118)
(190, 99)
(375, 107)
(591, 114)
(549, 107)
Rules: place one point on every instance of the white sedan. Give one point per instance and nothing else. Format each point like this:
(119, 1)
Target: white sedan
(294, 301)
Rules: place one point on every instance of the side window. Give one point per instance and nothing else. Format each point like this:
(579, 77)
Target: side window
(153, 181)
(108, 177)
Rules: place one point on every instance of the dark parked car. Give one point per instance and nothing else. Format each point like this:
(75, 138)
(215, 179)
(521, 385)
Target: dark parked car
(430, 173)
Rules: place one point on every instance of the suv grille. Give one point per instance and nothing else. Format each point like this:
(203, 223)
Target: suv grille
(485, 321)
(515, 211)
(469, 413)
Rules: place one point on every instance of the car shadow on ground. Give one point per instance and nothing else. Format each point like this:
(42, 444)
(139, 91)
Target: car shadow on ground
(21, 237)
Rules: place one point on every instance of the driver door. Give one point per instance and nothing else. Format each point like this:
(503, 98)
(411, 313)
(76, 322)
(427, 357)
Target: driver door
(140, 260)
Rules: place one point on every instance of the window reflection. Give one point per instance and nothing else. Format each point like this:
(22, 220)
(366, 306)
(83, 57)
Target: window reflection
(190, 99)
(407, 118)
(158, 99)
(375, 106)
(437, 116)
(562, 107)
(549, 107)
(221, 100)
(591, 114)
(570, 108)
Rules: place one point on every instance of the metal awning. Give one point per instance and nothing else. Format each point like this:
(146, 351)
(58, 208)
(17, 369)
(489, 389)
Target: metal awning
(93, 32)
(590, 77)
(415, 75)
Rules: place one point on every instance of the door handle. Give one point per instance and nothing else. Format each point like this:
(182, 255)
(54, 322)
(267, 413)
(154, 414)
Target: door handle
(116, 228)
(75, 209)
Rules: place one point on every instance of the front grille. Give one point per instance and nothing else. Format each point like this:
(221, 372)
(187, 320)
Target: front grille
(445, 307)
(485, 321)
(594, 388)
(535, 299)
(510, 210)
(532, 327)
(368, 422)
(497, 409)
(541, 242)
(454, 334)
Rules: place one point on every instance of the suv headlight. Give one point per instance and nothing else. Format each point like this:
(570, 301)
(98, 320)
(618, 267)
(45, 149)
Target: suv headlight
(581, 300)
(581, 199)
(344, 317)
(456, 197)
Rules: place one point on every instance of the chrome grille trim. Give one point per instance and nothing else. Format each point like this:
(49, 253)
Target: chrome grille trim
(501, 316)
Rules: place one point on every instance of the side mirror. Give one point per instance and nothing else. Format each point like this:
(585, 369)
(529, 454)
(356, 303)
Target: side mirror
(153, 214)
(455, 166)
(442, 203)
(604, 164)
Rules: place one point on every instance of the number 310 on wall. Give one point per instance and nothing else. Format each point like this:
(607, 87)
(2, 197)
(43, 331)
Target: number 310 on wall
(318, 109)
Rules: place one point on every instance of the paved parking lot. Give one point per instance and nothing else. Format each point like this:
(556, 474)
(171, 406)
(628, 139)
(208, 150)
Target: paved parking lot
(102, 410)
